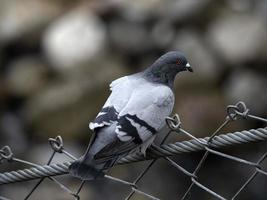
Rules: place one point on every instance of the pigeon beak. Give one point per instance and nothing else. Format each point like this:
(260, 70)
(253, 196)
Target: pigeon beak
(189, 68)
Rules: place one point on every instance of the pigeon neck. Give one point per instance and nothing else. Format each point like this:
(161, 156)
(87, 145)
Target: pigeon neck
(160, 74)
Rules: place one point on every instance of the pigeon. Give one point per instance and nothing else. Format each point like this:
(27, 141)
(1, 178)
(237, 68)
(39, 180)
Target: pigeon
(132, 115)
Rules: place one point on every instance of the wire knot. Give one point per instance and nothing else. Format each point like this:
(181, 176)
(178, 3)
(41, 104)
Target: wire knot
(6, 153)
(174, 123)
(239, 109)
(76, 196)
(56, 143)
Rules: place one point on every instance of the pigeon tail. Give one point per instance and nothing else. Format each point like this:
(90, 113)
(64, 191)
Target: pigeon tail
(85, 171)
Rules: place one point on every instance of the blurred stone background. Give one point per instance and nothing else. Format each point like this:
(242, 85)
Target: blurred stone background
(57, 58)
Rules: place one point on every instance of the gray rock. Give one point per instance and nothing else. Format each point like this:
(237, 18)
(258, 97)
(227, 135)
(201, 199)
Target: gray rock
(249, 87)
(238, 38)
(180, 10)
(240, 5)
(130, 37)
(12, 130)
(138, 10)
(261, 9)
(200, 56)
(200, 112)
(41, 152)
(65, 107)
(74, 39)
(20, 17)
(26, 76)
(163, 34)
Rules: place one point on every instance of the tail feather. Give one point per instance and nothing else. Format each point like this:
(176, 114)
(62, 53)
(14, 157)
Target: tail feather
(85, 171)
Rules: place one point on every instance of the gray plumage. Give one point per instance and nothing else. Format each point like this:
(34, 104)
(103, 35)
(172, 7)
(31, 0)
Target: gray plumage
(132, 115)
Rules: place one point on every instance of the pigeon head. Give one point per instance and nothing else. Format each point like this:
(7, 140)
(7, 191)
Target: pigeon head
(165, 68)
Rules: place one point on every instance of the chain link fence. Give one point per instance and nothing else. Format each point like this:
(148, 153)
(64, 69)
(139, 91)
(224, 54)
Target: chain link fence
(210, 145)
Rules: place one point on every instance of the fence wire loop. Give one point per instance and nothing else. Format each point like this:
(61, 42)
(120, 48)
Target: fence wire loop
(56, 143)
(239, 109)
(6, 154)
(174, 122)
(76, 196)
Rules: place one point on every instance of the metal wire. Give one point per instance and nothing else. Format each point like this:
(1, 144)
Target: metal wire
(209, 144)
(154, 152)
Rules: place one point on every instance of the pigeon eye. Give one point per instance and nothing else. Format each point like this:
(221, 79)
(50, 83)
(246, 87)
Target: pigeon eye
(178, 62)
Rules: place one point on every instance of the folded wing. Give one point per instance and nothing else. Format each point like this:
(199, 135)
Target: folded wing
(138, 111)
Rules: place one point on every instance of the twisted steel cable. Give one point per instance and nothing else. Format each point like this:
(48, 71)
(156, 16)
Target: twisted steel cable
(153, 152)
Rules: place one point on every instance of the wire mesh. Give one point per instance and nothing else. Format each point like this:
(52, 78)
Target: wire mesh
(210, 145)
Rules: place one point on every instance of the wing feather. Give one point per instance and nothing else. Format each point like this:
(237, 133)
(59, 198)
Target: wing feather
(147, 109)
(121, 90)
(137, 109)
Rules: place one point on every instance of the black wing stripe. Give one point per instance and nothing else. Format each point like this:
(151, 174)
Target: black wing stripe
(142, 123)
(110, 114)
(126, 126)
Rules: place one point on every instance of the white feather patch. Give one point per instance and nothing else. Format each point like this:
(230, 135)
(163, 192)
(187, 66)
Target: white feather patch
(101, 113)
(142, 131)
(123, 136)
(92, 125)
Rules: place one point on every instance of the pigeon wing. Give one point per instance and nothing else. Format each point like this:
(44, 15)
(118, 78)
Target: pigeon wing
(121, 90)
(115, 149)
(145, 112)
(139, 120)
